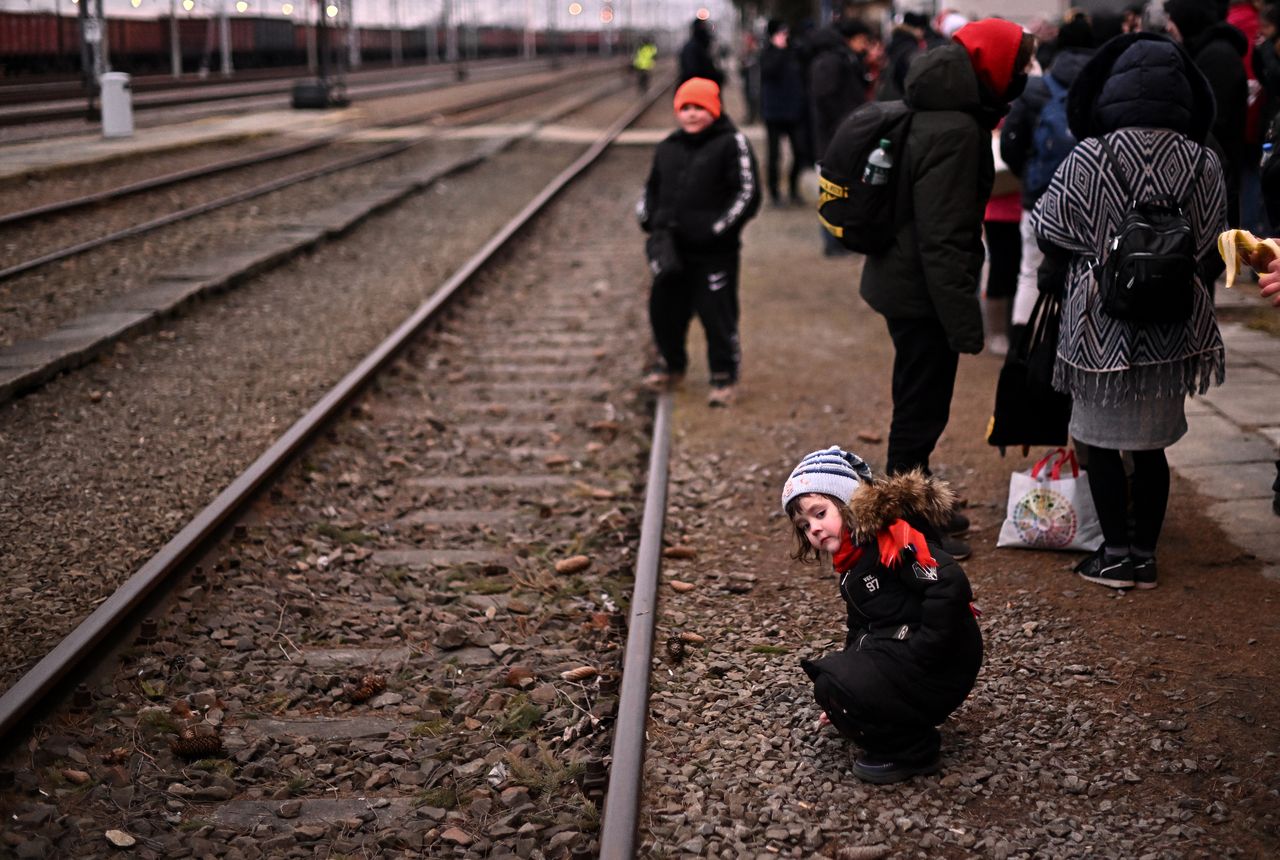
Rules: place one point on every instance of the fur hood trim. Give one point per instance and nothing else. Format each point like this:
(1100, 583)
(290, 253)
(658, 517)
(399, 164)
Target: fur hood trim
(880, 504)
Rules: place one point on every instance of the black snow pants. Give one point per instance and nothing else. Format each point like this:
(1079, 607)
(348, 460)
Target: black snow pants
(710, 289)
(881, 697)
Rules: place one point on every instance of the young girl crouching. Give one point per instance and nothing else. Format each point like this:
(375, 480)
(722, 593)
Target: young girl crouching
(913, 649)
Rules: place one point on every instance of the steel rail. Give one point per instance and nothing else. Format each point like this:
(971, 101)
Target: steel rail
(266, 188)
(626, 773)
(78, 646)
(71, 204)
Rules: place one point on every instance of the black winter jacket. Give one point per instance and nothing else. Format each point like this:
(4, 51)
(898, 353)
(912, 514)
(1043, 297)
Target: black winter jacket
(705, 187)
(782, 95)
(837, 85)
(1017, 135)
(696, 60)
(1219, 53)
(932, 268)
(912, 619)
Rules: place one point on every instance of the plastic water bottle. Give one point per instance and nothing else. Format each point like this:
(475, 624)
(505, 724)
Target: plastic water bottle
(879, 163)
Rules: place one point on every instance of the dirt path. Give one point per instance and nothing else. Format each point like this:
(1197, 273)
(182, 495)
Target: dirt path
(1120, 726)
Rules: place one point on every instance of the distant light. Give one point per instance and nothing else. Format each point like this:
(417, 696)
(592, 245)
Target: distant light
(135, 3)
(575, 8)
(242, 6)
(704, 14)
(286, 8)
(331, 11)
(606, 14)
(188, 4)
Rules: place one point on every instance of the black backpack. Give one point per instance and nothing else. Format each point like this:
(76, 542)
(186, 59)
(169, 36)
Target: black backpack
(1148, 271)
(860, 215)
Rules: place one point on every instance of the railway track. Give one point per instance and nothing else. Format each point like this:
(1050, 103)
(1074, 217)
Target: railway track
(25, 105)
(35, 216)
(95, 290)
(413, 643)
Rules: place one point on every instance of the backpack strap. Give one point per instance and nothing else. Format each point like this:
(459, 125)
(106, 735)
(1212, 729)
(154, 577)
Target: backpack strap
(1109, 154)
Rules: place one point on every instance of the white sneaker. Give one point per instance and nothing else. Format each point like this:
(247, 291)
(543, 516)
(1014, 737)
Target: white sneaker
(722, 395)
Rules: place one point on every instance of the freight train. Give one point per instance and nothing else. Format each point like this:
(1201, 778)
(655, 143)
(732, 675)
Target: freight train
(40, 43)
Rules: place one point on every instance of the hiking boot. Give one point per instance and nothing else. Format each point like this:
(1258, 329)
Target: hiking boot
(722, 395)
(1144, 572)
(1113, 574)
(870, 768)
(957, 525)
(954, 547)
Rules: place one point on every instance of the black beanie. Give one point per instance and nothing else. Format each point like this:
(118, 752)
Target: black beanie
(1076, 33)
(775, 25)
(1193, 17)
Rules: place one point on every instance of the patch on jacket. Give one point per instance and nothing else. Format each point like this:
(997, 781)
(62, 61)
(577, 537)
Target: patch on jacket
(927, 574)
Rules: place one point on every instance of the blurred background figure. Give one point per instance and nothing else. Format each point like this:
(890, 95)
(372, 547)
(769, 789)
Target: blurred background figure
(642, 62)
(697, 59)
(783, 108)
(1218, 50)
(749, 70)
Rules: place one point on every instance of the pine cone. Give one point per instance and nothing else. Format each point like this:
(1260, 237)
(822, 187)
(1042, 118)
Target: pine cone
(195, 744)
(369, 686)
(675, 649)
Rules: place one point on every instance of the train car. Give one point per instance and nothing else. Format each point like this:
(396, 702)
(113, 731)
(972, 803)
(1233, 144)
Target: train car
(30, 43)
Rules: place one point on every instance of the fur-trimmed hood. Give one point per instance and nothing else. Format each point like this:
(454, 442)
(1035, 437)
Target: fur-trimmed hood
(881, 503)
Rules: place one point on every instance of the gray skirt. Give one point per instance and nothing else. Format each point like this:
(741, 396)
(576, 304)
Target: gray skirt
(1137, 425)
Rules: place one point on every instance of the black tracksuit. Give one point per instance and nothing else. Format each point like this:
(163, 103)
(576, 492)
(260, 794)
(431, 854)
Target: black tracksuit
(913, 649)
(704, 188)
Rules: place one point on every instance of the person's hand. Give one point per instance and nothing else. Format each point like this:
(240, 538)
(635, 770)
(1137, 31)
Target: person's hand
(1269, 283)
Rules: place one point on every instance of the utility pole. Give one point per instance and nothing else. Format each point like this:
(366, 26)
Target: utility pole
(224, 38)
(175, 41)
(353, 36)
(450, 32)
(397, 53)
(530, 47)
(90, 34)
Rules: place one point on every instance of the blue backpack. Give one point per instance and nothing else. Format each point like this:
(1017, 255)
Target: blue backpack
(1050, 142)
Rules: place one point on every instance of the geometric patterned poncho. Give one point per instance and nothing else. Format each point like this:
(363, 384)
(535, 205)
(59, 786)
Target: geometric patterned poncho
(1104, 361)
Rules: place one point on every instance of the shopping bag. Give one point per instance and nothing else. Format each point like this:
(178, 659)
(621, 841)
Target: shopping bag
(1051, 508)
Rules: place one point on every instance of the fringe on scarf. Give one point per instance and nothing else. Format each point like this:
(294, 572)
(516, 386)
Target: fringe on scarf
(1192, 375)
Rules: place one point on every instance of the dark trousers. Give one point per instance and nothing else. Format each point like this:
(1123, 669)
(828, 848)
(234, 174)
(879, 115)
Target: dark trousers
(709, 289)
(1004, 257)
(1116, 496)
(924, 378)
(891, 737)
(794, 132)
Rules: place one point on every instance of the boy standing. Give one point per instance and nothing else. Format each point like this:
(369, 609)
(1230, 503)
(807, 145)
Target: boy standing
(702, 189)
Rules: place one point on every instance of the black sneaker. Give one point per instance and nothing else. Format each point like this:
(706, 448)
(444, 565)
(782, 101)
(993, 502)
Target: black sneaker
(957, 525)
(1113, 574)
(1144, 571)
(869, 768)
(954, 547)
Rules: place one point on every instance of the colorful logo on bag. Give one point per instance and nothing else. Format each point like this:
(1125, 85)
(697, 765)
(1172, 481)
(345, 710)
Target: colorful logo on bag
(1045, 519)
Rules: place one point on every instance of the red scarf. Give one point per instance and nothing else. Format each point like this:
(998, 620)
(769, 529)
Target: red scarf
(892, 541)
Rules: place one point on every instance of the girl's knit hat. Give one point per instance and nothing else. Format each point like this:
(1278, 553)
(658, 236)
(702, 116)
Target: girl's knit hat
(703, 92)
(831, 471)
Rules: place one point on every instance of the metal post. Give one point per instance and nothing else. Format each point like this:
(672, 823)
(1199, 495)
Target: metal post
(89, 36)
(397, 53)
(175, 41)
(313, 48)
(224, 39)
(102, 61)
(353, 37)
(322, 42)
(530, 47)
(450, 32)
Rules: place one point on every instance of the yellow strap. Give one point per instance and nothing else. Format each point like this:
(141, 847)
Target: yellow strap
(832, 188)
(838, 232)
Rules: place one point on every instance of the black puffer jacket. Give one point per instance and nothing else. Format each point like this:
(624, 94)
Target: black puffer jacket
(1017, 135)
(782, 91)
(837, 85)
(1219, 53)
(913, 620)
(705, 187)
(933, 266)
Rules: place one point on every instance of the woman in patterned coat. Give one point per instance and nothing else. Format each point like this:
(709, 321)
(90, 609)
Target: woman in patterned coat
(1128, 380)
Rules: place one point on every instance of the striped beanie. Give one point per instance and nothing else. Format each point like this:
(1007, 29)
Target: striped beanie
(832, 471)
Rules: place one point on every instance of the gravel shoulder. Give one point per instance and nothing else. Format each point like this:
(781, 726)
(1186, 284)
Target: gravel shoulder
(1106, 726)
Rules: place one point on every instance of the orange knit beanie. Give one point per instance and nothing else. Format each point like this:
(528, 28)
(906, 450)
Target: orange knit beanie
(701, 92)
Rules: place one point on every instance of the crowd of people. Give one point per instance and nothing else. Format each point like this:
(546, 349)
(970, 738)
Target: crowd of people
(1125, 130)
